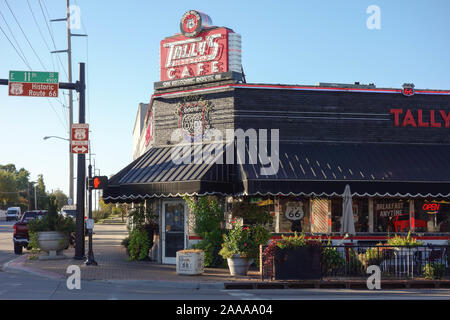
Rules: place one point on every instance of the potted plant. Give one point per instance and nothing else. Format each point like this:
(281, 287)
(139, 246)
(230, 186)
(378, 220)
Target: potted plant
(294, 258)
(53, 231)
(241, 245)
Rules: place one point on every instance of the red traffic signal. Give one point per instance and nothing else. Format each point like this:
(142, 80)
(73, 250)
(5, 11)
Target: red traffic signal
(99, 182)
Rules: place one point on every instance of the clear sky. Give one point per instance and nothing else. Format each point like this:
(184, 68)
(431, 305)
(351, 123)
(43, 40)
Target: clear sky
(289, 42)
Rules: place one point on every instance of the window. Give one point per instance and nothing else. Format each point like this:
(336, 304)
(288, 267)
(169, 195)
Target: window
(431, 216)
(360, 214)
(391, 215)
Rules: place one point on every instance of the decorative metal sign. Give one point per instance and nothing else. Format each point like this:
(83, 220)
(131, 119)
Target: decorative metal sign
(193, 22)
(194, 115)
(294, 211)
(408, 89)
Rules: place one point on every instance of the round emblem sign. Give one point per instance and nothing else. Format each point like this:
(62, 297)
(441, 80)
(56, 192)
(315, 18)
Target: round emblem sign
(193, 22)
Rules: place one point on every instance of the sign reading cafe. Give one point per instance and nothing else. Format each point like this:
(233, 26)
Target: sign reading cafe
(199, 50)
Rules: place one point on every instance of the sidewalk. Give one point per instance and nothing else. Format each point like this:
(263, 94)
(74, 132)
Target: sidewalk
(113, 265)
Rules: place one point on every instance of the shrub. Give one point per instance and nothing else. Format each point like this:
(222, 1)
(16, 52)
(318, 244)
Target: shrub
(138, 245)
(408, 241)
(289, 242)
(208, 225)
(52, 221)
(433, 270)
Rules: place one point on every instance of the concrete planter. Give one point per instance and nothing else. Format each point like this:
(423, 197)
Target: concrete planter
(238, 265)
(53, 243)
(190, 262)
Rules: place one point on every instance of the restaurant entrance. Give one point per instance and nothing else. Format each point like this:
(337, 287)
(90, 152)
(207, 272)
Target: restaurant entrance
(173, 230)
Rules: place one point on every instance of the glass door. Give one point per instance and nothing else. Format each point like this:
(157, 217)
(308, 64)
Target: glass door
(173, 226)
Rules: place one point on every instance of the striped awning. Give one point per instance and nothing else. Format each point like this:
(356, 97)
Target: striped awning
(158, 173)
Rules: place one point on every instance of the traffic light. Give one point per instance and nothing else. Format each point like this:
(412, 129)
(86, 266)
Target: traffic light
(99, 182)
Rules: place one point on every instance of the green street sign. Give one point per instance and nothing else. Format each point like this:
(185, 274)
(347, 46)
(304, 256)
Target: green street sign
(33, 77)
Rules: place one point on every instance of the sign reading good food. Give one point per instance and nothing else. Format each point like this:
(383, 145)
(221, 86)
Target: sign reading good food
(200, 50)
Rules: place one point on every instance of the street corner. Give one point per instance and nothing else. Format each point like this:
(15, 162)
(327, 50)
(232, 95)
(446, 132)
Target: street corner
(18, 265)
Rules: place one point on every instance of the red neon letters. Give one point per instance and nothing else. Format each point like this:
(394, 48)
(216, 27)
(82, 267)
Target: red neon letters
(421, 118)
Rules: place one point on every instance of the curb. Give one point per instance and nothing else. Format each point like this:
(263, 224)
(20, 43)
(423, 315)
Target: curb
(339, 284)
(169, 284)
(16, 266)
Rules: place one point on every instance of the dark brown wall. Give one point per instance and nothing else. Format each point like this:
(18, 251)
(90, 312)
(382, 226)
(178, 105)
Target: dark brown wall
(338, 116)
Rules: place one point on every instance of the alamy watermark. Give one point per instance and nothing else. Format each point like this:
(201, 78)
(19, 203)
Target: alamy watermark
(74, 280)
(374, 280)
(374, 20)
(208, 148)
(75, 17)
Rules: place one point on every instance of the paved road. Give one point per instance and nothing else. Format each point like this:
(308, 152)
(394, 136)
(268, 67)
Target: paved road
(6, 243)
(29, 287)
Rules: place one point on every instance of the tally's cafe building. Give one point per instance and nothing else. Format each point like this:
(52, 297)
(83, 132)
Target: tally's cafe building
(391, 146)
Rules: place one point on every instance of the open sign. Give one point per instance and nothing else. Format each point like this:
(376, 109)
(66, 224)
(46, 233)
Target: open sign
(431, 207)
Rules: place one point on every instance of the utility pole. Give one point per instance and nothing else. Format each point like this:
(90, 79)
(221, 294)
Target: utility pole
(69, 74)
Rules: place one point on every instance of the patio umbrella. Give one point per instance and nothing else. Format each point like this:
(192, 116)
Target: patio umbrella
(348, 223)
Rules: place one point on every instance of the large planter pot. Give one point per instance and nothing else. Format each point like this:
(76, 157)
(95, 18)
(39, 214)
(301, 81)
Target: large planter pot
(53, 243)
(297, 264)
(238, 265)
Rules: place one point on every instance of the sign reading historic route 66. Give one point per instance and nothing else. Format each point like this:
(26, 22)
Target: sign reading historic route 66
(33, 84)
(80, 138)
(294, 210)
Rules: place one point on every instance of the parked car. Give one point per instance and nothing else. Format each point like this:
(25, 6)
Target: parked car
(13, 213)
(20, 236)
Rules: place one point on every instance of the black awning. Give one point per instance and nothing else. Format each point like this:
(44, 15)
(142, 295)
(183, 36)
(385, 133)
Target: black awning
(370, 169)
(156, 174)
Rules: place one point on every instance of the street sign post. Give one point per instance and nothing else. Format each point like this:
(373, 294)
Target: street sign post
(80, 138)
(33, 84)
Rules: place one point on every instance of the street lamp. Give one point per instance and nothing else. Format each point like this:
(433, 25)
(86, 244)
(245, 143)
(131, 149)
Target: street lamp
(46, 138)
(70, 164)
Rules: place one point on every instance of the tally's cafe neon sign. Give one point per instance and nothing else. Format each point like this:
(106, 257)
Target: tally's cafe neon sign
(200, 49)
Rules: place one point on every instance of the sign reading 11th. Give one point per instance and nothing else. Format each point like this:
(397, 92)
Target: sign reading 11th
(33, 84)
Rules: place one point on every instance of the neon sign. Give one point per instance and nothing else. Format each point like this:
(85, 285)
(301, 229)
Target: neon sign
(431, 208)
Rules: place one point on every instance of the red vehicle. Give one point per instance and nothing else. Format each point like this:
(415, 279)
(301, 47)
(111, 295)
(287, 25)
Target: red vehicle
(20, 236)
(402, 223)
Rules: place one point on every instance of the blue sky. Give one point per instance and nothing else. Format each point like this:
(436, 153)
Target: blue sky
(289, 42)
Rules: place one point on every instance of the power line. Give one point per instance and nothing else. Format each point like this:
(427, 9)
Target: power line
(51, 34)
(40, 31)
(26, 38)
(53, 64)
(24, 60)
(21, 54)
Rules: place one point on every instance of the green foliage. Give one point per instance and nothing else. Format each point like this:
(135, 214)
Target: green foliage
(331, 258)
(140, 216)
(408, 241)
(289, 242)
(433, 270)
(208, 225)
(52, 221)
(244, 241)
(251, 213)
(138, 245)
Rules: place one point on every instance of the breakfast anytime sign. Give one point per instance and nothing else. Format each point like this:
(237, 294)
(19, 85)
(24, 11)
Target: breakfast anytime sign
(200, 50)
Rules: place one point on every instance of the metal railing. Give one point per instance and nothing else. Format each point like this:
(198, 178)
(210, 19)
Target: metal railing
(395, 262)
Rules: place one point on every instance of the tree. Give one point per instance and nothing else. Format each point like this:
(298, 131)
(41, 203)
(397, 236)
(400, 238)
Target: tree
(42, 198)
(8, 188)
(61, 198)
